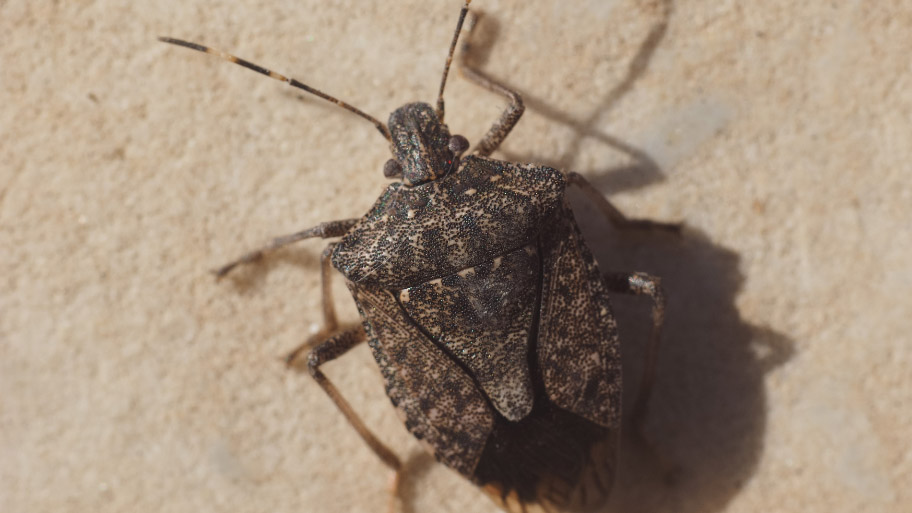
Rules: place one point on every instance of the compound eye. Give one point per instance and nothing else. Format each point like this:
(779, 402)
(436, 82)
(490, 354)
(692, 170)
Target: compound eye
(458, 144)
(392, 169)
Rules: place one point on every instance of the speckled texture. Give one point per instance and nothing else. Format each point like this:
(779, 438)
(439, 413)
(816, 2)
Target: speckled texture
(131, 381)
(484, 317)
(439, 403)
(481, 211)
(419, 144)
(578, 348)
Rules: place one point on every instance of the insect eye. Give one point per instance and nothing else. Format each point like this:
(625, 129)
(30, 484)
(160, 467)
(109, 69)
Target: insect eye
(392, 169)
(458, 144)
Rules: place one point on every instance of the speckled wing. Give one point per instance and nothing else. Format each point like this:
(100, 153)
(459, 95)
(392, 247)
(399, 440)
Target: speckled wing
(578, 347)
(440, 403)
(483, 316)
(484, 209)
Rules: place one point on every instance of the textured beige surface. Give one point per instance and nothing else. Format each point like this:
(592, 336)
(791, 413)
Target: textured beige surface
(779, 132)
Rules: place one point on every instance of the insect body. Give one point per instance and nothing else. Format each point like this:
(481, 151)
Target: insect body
(484, 309)
(490, 322)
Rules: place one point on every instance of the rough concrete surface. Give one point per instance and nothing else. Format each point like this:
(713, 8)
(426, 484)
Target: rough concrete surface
(778, 132)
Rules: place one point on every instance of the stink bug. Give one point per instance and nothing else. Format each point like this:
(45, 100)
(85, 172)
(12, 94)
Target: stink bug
(483, 307)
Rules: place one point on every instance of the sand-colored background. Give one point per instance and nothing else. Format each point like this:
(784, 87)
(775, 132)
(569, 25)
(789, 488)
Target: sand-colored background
(778, 132)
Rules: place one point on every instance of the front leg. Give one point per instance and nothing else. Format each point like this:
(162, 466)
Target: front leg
(323, 230)
(496, 135)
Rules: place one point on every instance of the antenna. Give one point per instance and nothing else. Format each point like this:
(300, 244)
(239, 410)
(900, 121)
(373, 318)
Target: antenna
(446, 69)
(291, 81)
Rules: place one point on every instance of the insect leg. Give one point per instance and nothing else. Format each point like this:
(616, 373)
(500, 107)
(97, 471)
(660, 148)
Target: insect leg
(329, 350)
(513, 112)
(330, 321)
(640, 284)
(614, 215)
(322, 230)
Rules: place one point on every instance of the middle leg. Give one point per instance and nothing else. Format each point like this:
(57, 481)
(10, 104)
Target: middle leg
(330, 320)
(328, 350)
(643, 284)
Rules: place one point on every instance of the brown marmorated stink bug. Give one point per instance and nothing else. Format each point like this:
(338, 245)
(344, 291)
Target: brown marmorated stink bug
(483, 307)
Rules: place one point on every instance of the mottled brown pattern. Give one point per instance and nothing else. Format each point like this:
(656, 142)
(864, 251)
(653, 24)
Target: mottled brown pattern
(578, 346)
(415, 234)
(441, 405)
(507, 369)
(483, 317)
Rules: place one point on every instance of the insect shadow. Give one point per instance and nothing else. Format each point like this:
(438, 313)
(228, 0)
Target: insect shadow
(250, 280)
(708, 415)
(643, 169)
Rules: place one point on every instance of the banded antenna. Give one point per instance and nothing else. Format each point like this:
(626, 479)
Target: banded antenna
(446, 68)
(290, 81)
